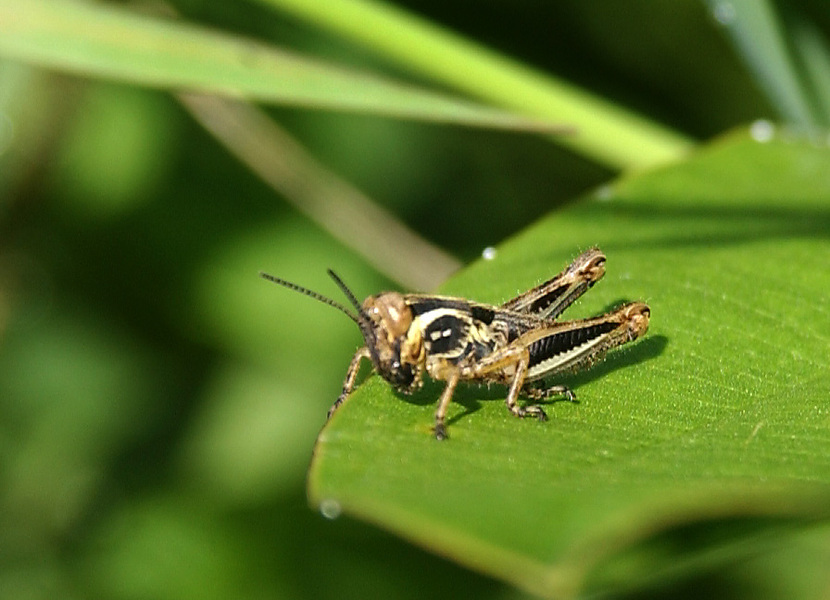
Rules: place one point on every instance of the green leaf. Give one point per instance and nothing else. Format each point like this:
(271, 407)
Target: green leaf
(96, 40)
(691, 447)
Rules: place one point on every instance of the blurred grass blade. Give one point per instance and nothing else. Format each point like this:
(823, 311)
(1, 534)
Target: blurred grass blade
(606, 132)
(813, 52)
(98, 40)
(704, 441)
(761, 39)
(335, 205)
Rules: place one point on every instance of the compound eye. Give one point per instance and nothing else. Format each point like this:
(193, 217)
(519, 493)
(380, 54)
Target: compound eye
(394, 315)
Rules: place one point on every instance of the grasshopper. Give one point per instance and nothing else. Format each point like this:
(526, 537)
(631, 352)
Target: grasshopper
(454, 339)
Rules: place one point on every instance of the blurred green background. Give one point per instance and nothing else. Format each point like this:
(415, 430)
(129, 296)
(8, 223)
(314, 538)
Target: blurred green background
(159, 402)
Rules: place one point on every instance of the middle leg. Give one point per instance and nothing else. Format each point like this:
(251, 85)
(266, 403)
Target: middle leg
(513, 358)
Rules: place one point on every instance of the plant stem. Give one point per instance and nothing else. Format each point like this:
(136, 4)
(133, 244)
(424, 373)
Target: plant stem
(605, 132)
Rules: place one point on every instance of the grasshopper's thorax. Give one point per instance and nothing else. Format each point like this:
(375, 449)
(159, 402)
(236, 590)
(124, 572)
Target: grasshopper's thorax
(394, 340)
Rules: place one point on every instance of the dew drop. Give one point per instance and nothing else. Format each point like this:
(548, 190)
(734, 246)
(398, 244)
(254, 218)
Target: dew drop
(604, 193)
(330, 508)
(762, 130)
(489, 253)
(724, 13)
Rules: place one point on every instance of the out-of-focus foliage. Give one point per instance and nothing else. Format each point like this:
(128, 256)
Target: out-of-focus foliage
(159, 403)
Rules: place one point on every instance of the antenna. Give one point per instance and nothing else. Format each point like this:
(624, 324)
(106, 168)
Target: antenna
(346, 291)
(321, 297)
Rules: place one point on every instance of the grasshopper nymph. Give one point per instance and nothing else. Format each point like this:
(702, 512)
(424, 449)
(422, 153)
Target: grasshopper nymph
(454, 339)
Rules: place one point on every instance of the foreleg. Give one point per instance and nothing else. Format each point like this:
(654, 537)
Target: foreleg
(441, 412)
(351, 377)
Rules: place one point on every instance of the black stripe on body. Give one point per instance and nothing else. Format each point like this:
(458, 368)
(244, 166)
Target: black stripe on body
(448, 334)
(553, 345)
(479, 312)
(483, 314)
(423, 305)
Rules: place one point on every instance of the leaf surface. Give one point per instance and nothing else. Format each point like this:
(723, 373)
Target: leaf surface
(686, 448)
